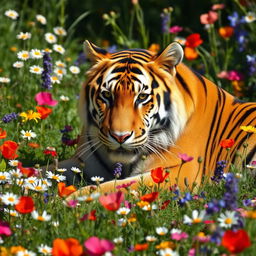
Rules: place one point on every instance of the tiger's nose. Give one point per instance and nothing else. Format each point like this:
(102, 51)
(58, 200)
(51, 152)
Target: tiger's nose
(120, 137)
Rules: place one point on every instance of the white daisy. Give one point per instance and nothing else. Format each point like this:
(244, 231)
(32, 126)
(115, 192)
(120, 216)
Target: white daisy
(61, 170)
(55, 79)
(28, 134)
(161, 231)
(55, 224)
(57, 177)
(74, 69)
(41, 19)
(47, 182)
(18, 64)
(23, 55)
(38, 186)
(36, 70)
(118, 240)
(75, 170)
(47, 50)
(167, 252)
(11, 14)
(13, 163)
(60, 64)
(31, 180)
(227, 219)
(4, 177)
(123, 211)
(20, 182)
(5, 80)
(9, 198)
(97, 179)
(60, 31)
(15, 173)
(64, 98)
(150, 238)
(44, 249)
(50, 38)
(58, 48)
(44, 217)
(250, 17)
(12, 213)
(24, 36)
(25, 253)
(36, 54)
(60, 72)
(197, 217)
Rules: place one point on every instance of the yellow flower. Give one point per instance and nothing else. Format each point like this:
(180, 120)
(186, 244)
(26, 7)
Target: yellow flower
(250, 214)
(13, 49)
(30, 115)
(165, 245)
(141, 204)
(248, 128)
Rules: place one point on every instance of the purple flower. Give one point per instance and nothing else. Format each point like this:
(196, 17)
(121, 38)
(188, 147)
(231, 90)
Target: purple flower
(118, 170)
(67, 128)
(47, 70)
(230, 196)
(165, 22)
(251, 61)
(234, 19)
(80, 59)
(219, 171)
(9, 117)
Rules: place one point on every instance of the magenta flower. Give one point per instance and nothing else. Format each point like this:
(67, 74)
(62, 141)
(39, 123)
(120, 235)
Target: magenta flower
(234, 75)
(179, 236)
(175, 29)
(97, 247)
(185, 158)
(45, 98)
(5, 229)
(126, 185)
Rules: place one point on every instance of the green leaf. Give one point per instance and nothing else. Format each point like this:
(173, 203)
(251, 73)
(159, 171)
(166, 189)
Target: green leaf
(3, 165)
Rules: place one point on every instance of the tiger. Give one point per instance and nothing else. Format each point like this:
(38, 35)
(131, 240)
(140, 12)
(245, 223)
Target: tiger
(143, 109)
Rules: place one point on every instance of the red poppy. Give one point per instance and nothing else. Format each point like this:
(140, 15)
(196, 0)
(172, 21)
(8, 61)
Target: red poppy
(141, 247)
(227, 143)
(64, 191)
(151, 197)
(50, 151)
(25, 205)
(236, 241)
(165, 204)
(193, 40)
(44, 112)
(3, 134)
(226, 32)
(159, 175)
(9, 149)
(28, 172)
(67, 247)
(112, 201)
(89, 216)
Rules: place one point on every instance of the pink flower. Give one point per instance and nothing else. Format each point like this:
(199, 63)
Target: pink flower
(112, 201)
(179, 236)
(72, 203)
(45, 98)
(175, 29)
(97, 247)
(216, 7)
(192, 252)
(126, 185)
(223, 74)
(185, 158)
(209, 18)
(234, 75)
(5, 229)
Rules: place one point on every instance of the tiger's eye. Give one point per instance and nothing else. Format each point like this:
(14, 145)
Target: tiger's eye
(142, 96)
(106, 94)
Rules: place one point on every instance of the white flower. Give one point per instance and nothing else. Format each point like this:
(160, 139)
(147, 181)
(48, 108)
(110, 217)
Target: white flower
(121, 222)
(134, 193)
(5, 80)
(36, 54)
(44, 249)
(13, 163)
(15, 173)
(43, 217)
(57, 177)
(11, 14)
(24, 36)
(75, 170)
(146, 208)
(167, 252)
(228, 219)
(197, 217)
(64, 98)
(31, 180)
(60, 64)
(60, 72)
(176, 231)
(250, 17)
(60, 31)
(74, 69)
(23, 55)
(50, 38)
(238, 175)
(55, 224)
(20, 182)
(61, 170)
(36, 70)
(161, 231)
(118, 240)
(151, 238)
(12, 213)
(25, 253)
(38, 186)
(4, 177)
(9, 198)
(55, 80)
(41, 19)
(97, 179)
(28, 134)
(123, 211)
(58, 48)
(47, 182)
(18, 64)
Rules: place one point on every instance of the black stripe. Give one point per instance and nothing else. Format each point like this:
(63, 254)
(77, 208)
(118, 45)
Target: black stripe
(119, 70)
(201, 80)
(136, 71)
(184, 84)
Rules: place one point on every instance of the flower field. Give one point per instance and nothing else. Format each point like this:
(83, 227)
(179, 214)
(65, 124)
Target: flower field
(41, 72)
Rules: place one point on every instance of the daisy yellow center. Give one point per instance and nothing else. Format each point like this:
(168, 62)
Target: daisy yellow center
(161, 233)
(25, 55)
(26, 254)
(197, 220)
(89, 199)
(36, 69)
(45, 250)
(31, 181)
(24, 36)
(40, 218)
(55, 177)
(37, 53)
(11, 199)
(59, 49)
(123, 212)
(55, 78)
(13, 214)
(2, 177)
(38, 188)
(60, 71)
(228, 220)
(27, 134)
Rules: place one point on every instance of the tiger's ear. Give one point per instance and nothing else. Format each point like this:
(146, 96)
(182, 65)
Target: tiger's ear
(95, 53)
(171, 56)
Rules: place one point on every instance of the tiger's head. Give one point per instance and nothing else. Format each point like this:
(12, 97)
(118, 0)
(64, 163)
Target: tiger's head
(130, 104)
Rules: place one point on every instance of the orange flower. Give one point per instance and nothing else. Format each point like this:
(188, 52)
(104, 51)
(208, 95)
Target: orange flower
(9, 149)
(154, 48)
(3, 134)
(25, 205)
(66, 247)
(64, 191)
(190, 53)
(159, 175)
(226, 32)
(44, 112)
(33, 145)
(141, 247)
(227, 143)
(149, 197)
